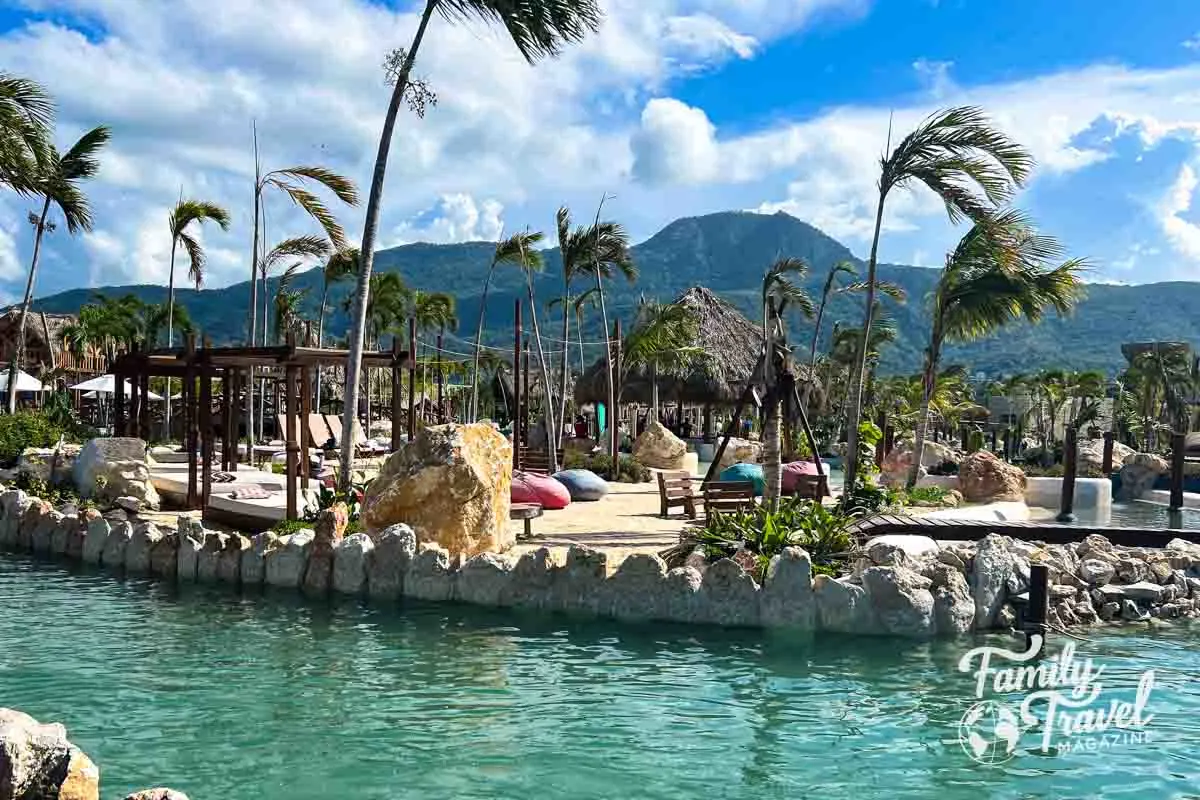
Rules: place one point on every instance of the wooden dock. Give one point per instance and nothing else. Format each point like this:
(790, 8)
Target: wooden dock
(1047, 532)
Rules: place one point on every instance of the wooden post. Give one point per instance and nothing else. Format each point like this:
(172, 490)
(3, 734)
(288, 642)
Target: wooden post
(516, 420)
(305, 398)
(615, 427)
(889, 439)
(235, 393)
(963, 436)
(525, 395)
(191, 431)
(1066, 513)
(226, 418)
(118, 401)
(440, 417)
(879, 446)
(1178, 446)
(206, 434)
(143, 388)
(397, 394)
(994, 440)
(1039, 604)
(1106, 462)
(293, 447)
(412, 378)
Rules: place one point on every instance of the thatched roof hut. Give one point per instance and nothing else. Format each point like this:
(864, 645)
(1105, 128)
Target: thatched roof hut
(731, 342)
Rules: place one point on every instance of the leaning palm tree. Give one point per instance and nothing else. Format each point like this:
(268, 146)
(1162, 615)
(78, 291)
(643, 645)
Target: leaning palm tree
(999, 272)
(182, 216)
(973, 168)
(26, 118)
(341, 264)
(531, 262)
(538, 28)
(433, 311)
(56, 180)
(298, 247)
(508, 251)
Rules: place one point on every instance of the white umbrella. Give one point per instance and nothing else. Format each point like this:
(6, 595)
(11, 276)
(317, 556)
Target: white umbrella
(107, 384)
(25, 382)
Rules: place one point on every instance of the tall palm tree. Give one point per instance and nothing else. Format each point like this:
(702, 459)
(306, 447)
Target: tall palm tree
(342, 264)
(973, 168)
(538, 28)
(999, 272)
(433, 311)
(55, 179)
(290, 250)
(26, 118)
(779, 290)
(662, 339)
(182, 216)
(508, 251)
(532, 261)
(288, 318)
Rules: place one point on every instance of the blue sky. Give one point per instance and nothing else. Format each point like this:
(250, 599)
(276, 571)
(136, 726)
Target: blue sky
(678, 107)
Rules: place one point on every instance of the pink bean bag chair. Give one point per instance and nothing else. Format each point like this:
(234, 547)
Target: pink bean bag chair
(791, 472)
(528, 487)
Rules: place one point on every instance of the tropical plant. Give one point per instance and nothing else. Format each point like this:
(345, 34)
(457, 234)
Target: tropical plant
(538, 28)
(294, 250)
(55, 179)
(508, 251)
(974, 168)
(26, 118)
(662, 340)
(342, 264)
(182, 216)
(288, 321)
(531, 262)
(1001, 271)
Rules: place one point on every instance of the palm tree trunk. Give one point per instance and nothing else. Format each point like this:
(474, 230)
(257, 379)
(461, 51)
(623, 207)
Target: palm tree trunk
(474, 415)
(579, 331)
(367, 250)
(923, 419)
(170, 332)
(566, 338)
(18, 356)
(772, 455)
(858, 371)
(548, 414)
(608, 348)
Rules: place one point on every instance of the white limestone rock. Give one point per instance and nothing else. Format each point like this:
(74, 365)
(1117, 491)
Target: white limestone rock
(350, 559)
(395, 548)
(842, 606)
(994, 567)
(285, 565)
(430, 576)
(116, 544)
(142, 543)
(93, 544)
(637, 590)
(787, 595)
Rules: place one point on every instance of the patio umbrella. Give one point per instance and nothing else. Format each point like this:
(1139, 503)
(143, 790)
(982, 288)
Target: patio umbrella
(106, 384)
(25, 382)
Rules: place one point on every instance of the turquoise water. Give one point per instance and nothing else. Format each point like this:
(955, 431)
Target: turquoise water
(231, 697)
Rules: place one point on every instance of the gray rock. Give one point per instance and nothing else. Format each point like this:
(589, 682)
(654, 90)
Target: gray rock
(13, 503)
(429, 575)
(1005, 620)
(1093, 543)
(682, 593)
(208, 560)
(953, 605)
(1058, 591)
(395, 548)
(285, 565)
(253, 569)
(1066, 613)
(1095, 571)
(1130, 612)
(350, 558)
(1110, 610)
(787, 596)
(484, 579)
(37, 510)
(141, 545)
(1132, 570)
(158, 793)
(950, 558)
(843, 607)
(1160, 570)
(93, 544)
(116, 544)
(229, 560)
(42, 536)
(188, 555)
(60, 538)
(579, 585)
(637, 590)
(994, 565)
(129, 503)
(37, 762)
(728, 596)
(164, 556)
(532, 585)
(1144, 590)
(901, 600)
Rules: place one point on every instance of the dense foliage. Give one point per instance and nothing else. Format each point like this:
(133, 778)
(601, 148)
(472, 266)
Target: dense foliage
(630, 471)
(26, 429)
(823, 532)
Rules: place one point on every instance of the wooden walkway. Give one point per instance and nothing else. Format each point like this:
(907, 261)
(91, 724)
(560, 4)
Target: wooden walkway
(1050, 533)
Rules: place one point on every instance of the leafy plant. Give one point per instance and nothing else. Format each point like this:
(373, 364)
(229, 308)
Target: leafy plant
(601, 464)
(286, 527)
(867, 495)
(927, 495)
(25, 429)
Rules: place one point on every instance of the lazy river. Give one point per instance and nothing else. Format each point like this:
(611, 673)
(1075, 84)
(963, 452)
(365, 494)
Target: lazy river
(224, 696)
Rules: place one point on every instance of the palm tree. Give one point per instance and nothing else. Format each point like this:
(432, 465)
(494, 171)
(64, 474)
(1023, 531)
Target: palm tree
(662, 340)
(298, 247)
(55, 179)
(341, 264)
(287, 306)
(538, 28)
(531, 262)
(182, 216)
(26, 117)
(508, 251)
(998, 273)
(973, 168)
(433, 311)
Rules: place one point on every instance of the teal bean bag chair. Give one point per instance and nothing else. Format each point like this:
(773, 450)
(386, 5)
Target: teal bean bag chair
(746, 472)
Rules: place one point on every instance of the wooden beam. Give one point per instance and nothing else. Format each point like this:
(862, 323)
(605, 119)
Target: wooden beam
(206, 434)
(516, 420)
(397, 394)
(412, 378)
(190, 426)
(293, 447)
(305, 398)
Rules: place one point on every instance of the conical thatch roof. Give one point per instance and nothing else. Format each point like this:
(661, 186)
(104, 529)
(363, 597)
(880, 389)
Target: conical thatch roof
(731, 342)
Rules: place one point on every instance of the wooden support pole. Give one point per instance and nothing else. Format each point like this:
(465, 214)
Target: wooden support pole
(440, 417)
(615, 425)
(517, 401)
(1106, 461)
(525, 394)
(1178, 446)
(412, 378)
(1070, 451)
(305, 398)
(994, 443)
(143, 388)
(397, 394)
(1039, 604)
(118, 401)
(293, 447)
(206, 428)
(236, 423)
(226, 418)
(191, 431)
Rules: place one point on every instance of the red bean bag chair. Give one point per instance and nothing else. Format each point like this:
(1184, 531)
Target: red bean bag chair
(791, 472)
(529, 487)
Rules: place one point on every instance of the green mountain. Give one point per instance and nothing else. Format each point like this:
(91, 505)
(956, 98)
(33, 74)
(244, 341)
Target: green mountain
(728, 252)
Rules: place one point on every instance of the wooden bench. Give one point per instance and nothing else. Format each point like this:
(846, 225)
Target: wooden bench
(724, 496)
(675, 490)
(526, 512)
(812, 487)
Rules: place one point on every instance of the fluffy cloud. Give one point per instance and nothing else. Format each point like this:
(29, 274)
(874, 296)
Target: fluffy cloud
(455, 218)
(1183, 235)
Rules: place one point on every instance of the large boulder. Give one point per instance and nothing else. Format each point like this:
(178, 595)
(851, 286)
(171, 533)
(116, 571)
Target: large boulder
(451, 485)
(901, 600)
(1090, 456)
(350, 559)
(740, 451)
(898, 462)
(51, 465)
(110, 468)
(582, 484)
(550, 494)
(1139, 472)
(656, 447)
(984, 477)
(328, 532)
(37, 762)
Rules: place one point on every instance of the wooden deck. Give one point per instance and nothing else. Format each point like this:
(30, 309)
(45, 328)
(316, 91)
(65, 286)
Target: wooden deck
(1049, 533)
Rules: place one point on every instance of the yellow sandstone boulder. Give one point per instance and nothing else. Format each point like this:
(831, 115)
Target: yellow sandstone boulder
(451, 485)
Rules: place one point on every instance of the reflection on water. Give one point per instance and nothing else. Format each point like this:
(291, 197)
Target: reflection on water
(267, 697)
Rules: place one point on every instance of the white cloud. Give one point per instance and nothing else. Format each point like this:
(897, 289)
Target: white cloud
(934, 76)
(1192, 43)
(1183, 235)
(675, 144)
(10, 261)
(455, 218)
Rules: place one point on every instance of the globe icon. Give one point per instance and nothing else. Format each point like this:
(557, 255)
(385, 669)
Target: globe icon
(989, 732)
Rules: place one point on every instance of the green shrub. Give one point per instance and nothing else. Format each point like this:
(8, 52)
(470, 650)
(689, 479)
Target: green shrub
(630, 471)
(286, 527)
(25, 429)
(54, 495)
(931, 495)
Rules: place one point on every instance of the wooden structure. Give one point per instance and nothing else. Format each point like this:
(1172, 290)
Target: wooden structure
(527, 513)
(288, 364)
(675, 491)
(723, 496)
(44, 349)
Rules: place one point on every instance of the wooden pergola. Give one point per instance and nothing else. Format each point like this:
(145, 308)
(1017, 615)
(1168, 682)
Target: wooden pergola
(197, 367)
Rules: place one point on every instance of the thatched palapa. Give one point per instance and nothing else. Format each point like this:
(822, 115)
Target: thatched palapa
(731, 342)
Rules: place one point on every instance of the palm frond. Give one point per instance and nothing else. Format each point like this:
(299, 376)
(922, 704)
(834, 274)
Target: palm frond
(295, 247)
(778, 283)
(342, 187)
(538, 28)
(315, 208)
(195, 255)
